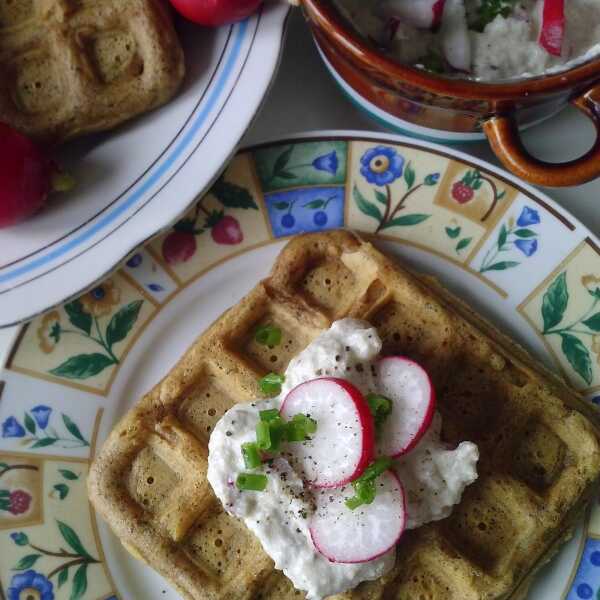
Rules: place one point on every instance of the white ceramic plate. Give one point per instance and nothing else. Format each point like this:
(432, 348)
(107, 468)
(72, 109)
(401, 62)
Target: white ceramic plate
(136, 180)
(73, 372)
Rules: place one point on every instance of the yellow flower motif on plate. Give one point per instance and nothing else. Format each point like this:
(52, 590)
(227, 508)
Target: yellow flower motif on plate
(591, 284)
(49, 332)
(101, 300)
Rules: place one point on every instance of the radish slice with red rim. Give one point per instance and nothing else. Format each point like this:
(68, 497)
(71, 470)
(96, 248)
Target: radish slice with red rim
(342, 447)
(552, 32)
(409, 388)
(365, 533)
(422, 14)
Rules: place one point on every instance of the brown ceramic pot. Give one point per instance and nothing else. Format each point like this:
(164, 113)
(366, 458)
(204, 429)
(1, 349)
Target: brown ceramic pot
(464, 106)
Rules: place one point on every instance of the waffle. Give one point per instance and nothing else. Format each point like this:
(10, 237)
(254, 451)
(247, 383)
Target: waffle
(540, 456)
(69, 67)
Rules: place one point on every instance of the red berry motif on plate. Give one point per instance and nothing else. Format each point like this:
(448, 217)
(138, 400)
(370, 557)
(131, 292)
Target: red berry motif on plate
(464, 190)
(462, 193)
(227, 231)
(180, 245)
(19, 502)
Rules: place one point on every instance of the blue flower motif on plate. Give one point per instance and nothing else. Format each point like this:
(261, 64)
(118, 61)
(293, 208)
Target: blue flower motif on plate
(527, 247)
(528, 216)
(11, 428)
(381, 165)
(30, 585)
(41, 414)
(327, 162)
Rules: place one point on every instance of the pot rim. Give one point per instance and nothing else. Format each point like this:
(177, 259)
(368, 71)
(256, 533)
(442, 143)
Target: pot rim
(330, 23)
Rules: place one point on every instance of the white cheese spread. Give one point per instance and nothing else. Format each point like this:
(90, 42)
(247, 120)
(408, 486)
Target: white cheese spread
(433, 476)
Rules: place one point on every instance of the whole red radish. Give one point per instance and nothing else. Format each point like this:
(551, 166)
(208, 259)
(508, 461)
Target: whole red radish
(215, 12)
(27, 176)
(552, 32)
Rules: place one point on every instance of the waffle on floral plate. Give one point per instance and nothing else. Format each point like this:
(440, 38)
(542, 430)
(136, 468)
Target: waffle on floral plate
(124, 386)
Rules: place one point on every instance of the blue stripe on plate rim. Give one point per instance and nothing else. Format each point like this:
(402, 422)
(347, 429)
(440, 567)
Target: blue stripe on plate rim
(241, 30)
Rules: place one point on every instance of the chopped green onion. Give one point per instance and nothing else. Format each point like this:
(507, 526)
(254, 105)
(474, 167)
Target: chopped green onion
(300, 427)
(271, 384)
(309, 425)
(381, 408)
(268, 335)
(251, 455)
(268, 415)
(364, 486)
(277, 430)
(254, 482)
(263, 435)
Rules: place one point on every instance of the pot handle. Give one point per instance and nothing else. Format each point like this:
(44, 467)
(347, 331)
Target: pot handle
(504, 138)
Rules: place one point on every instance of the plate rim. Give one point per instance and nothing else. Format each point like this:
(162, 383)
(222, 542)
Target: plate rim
(280, 15)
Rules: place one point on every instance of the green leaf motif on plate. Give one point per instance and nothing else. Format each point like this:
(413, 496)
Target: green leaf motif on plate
(63, 576)
(578, 356)
(409, 176)
(503, 265)
(27, 562)
(44, 442)
(281, 205)
(366, 207)
(525, 233)
(73, 429)
(65, 472)
(463, 244)
(281, 162)
(406, 221)
(554, 302)
(62, 490)
(80, 583)
(502, 236)
(593, 322)
(453, 233)
(72, 539)
(122, 322)
(380, 197)
(29, 424)
(78, 317)
(82, 366)
(315, 204)
(231, 195)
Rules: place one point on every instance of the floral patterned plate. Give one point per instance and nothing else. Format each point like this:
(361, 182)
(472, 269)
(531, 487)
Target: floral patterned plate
(136, 180)
(72, 372)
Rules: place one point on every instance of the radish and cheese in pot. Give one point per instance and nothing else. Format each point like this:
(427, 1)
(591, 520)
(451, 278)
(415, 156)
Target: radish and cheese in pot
(488, 40)
(341, 460)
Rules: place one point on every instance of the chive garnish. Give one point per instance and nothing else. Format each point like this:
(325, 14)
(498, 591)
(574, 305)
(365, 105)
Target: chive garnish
(270, 384)
(268, 335)
(381, 408)
(255, 482)
(364, 487)
(251, 455)
(263, 435)
(268, 415)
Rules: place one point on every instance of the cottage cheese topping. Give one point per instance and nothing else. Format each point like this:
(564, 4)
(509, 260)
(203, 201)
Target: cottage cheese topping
(506, 48)
(433, 476)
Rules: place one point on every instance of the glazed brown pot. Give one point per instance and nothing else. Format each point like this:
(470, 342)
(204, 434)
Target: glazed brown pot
(460, 105)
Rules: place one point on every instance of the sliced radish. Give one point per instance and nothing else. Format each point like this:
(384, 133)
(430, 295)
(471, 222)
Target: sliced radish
(552, 32)
(409, 388)
(343, 444)
(456, 42)
(365, 533)
(422, 14)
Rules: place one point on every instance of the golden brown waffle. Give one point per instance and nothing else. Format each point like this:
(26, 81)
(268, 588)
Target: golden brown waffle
(69, 67)
(540, 456)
